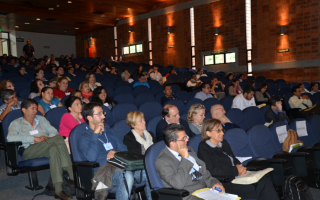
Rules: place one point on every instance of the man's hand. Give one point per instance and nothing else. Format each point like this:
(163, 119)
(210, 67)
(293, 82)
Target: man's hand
(305, 97)
(218, 185)
(279, 106)
(183, 151)
(10, 103)
(85, 100)
(110, 155)
(40, 139)
(224, 119)
(241, 169)
(99, 128)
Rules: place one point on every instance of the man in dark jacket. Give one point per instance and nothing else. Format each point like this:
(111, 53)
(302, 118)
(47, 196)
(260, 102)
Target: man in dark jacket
(170, 115)
(275, 112)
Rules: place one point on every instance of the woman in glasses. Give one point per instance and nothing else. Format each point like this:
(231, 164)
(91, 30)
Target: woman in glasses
(196, 115)
(220, 161)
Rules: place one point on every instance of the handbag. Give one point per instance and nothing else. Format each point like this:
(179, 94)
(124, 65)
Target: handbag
(128, 161)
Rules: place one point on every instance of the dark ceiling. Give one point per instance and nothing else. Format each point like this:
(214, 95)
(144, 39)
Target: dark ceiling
(66, 17)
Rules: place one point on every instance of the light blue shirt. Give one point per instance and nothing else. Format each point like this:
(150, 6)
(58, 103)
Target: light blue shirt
(46, 106)
(190, 158)
(139, 83)
(203, 96)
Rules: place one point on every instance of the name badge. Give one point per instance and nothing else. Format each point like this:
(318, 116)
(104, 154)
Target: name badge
(106, 104)
(34, 132)
(108, 146)
(53, 106)
(67, 93)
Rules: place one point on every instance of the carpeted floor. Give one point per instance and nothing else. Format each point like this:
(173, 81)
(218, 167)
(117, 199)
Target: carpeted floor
(13, 187)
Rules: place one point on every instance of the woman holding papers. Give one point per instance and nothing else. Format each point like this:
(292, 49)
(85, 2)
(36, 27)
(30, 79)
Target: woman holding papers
(220, 161)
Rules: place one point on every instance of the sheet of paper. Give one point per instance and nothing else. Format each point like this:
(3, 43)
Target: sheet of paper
(268, 124)
(282, 133)
(301, 128)
(242, 159)
(214, 195)
(293, 146)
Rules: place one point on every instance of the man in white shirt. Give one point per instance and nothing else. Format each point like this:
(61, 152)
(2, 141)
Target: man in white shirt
(244, 100)
(200, 74)
(193, 83)
(205, 92)
(155, 75)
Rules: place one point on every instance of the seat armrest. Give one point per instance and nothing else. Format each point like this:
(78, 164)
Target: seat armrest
(87, 164)
(300, 154)
(169, 192)
(317, 144)
(11, 151)
(258, 164)
(223, 179)
(277, 160)
(18, 143)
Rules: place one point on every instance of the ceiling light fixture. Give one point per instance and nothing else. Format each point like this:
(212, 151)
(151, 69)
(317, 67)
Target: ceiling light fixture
(27, 23)
(51, 8)
(76, 28)
(17, 26)
(38, 19)
(169, 29)
(216, 31)
(69, 1)
(130, 29)
(282, 30)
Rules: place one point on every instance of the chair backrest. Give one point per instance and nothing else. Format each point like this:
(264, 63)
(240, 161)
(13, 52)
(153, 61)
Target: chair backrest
(306, 85)
(108, 84)
(260, 78)
(270, 81)
(110, 91)
(120, 111)
(276, 127)
(54, 116)
(286, 99)
(109, 119)
(261, 142)
(25, 93)
(159, 96)
(316, 97)
(227, 102)
(175, 88)
(19, 86)
(153, 83)
(73, 139)
(184, 117)
(178, 103)
(210, 102)
(64, 99)
(140, 89)
(282, 85)
(121, 83)
(149, 161)
(314, 126)
(124, 98)
(122, 89)
(191, 102)
(173, 78)
(273, 91)
(279, 81)
(272, 85)
(292, 84)
(264, 109)
(11, 116)
(150, 109)
(152, 124)
(194, 142)
(254, 116)
(143, 97)
(156, 89)
(308, 140)
(37, 98)
(193, 93)
(239, 142)
(237, 117)
(182, 95)
(73, 85)
(121, 129)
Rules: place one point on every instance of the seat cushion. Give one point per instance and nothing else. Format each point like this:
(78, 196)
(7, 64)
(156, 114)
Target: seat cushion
(32, 162)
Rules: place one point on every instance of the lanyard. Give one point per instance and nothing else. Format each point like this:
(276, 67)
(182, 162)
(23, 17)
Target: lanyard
(106, 138)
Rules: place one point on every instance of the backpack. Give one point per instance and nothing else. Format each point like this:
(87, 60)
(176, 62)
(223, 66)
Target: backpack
(290, 139)
(296, 189)
(128, 161)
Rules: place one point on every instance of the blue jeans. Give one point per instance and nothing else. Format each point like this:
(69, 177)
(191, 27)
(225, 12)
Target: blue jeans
(117, 180)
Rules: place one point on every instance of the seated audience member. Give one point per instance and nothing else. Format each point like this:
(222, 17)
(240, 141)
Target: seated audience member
(78, 93)
(22, 71)
(205, 92)
(71, 72)
(62, 88)
(235, 88)
(98, 71)
(12, 62)
(138, 71)
(48, 101)
(201, 74)
(52, 81)
(35, 88)
(91, 78)
(244, 100)
(73, 117)
(275, 113)
(141, 81)
(27, 63)
(262, 95)
(83, 68)
(39, 74)
(167, 90)
(6, 84)
(45, 142)
(229, 77)
(218, 87)
(218, 112)
(100, 95)
(252, 83)
(93, 147)
(113, 70)
(11, 103)
(125, 76)
(138, 140)
(314, 88)
(85, 89)
(170, 115)
(179, 167)
(100, 64)
(219, 159)
(60, 73)
(155, 75)
(3, 62)
(37, 67)
(171, 72)
(196, 115)
(53, 69)
(242, 77)
(193, 83)
(303, 89)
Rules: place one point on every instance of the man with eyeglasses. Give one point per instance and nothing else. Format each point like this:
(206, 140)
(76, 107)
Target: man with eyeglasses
(205, 92)
(99, 144)
(179, 166)
(155, 75)
(11, 103)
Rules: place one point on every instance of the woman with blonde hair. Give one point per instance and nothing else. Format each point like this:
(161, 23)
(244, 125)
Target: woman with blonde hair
(62, 88)
(85, 90)
(91, 78)
(196, 115)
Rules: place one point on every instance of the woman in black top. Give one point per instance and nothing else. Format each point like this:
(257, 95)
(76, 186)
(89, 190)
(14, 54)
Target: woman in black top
(100, 95)
(220, 162)
(138, 140)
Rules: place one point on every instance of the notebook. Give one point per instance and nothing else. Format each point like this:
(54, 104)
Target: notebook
(210, 194)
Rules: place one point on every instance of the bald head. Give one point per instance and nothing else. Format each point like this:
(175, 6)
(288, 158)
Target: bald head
(217, 111)
(171, 113)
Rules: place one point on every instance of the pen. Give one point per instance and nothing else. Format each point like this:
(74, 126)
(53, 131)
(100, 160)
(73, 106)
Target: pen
(218, 189)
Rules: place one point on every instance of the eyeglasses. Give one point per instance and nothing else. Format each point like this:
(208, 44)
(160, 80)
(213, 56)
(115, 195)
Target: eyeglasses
(218, 130)
(183, 139)
(101, 113)
(11, 98)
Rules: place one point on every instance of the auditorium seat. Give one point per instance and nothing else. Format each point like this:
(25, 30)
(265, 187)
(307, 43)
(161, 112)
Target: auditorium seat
(143, 97)
(124, 98)
(107, 84)
(19, 86)
(193, 93)
(292, 84)
(260, 79)
(54, 116)
(25, 93)
(73, 85)
(227, 102)
(175, 88)
(140, 89)
(121, 129)
(191, 102)
(279, 81)
(254, 116)
(156, 89)
(109, 119)
(121, 83)
(178, 103)
(122, 89)
(237, 117)
(210, 102)
(182, 95)
(283, 91)
(159, 96)
(270, 81)
(64, 99)
(153, 83)
(110, 91)
(283, 85)
(150, 109)
(264, 109)
(120, 111)
(152, 124)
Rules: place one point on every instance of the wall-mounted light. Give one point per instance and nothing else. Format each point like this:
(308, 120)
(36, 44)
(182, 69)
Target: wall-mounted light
(91, 36)
(216, 31)
(130, 29)
(169, 29)
(282, 30)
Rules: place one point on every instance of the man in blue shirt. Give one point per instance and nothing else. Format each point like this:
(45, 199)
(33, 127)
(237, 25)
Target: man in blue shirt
(99, 144)
(142, 81)
(205, 92)
(28, 50)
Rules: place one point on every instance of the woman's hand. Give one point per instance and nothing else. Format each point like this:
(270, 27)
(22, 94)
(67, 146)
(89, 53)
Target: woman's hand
(241, 169)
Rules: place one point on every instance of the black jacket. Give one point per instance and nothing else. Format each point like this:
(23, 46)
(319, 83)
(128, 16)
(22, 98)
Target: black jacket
(162, 125)
(281, 117)
(130, 141)
(218, 164)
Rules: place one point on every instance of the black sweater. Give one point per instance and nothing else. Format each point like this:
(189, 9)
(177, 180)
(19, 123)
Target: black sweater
(218, 164)
(130, 141)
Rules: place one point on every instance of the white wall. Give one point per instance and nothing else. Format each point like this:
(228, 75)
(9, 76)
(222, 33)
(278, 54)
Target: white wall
(59, 44)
